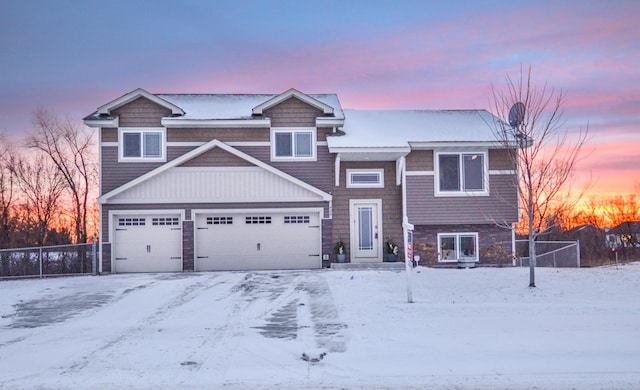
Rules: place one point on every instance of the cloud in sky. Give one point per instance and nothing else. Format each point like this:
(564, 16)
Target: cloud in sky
(73, 56)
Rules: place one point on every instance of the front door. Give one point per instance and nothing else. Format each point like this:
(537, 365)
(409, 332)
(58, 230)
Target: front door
(365, 230)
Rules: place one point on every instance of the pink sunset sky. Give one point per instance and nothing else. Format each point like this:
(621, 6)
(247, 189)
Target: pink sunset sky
(73, 56)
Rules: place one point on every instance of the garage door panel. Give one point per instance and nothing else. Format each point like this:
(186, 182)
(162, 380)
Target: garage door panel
(148, 244)
(282, 240)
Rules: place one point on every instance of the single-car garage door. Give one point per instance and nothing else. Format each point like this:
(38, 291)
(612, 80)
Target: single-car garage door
(258, 241)
(147, 243)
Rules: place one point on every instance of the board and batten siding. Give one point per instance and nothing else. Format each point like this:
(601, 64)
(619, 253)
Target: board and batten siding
(423, 208)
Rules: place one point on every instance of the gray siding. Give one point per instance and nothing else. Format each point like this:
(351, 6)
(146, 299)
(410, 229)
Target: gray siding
(424, 208)
(217, 157)
(501, 159)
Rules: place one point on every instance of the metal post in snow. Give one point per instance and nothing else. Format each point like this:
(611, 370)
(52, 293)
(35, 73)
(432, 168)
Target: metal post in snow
(408, 255)
(578, 250)
(94, 257)
(40, 260)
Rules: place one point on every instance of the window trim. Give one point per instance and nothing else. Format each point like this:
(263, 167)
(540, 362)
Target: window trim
(142, 130)
(351, 172)
(457, 236)
(462, 192)
(293, 131)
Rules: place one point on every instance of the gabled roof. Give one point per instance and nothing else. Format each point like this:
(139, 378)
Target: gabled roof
(133, 95)
(202, 149)
(325, 108)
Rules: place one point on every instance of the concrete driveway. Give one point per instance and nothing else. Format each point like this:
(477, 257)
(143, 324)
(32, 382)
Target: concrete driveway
(73, 332)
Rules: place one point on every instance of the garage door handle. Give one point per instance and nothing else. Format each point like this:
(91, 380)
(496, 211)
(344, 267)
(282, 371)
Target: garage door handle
(318, 255)
(176, 228)
(314, 227)
(203, 257)
(176, 258)
(120, 230)
(205, 228)
(121, 258)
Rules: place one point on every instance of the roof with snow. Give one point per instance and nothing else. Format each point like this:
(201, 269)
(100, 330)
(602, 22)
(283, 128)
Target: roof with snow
(234, 106)
(392, 128)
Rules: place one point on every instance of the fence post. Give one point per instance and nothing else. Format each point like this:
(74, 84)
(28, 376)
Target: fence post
(94, 257)
(40, 261)
(578, 251)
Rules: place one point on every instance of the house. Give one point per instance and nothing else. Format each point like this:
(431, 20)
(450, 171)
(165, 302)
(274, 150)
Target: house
(198, 182)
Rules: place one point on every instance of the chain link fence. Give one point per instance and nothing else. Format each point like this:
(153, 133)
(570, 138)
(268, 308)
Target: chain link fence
(549, 254)
(55, 260)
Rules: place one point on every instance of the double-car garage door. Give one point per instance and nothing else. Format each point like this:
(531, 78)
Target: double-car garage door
(263, 240)
(223, 241)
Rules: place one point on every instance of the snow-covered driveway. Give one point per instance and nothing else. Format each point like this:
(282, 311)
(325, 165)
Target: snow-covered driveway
(479, 328)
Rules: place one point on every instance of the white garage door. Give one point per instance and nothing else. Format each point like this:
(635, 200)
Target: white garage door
(258, 241)
(147, 243)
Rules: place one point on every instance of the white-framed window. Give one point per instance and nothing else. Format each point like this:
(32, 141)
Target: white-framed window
(141, 144)
(365, 178)
(453, 247)
(461, 173)
(293, 144)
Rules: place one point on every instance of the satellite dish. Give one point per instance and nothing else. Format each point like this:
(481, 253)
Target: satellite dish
(516, 114)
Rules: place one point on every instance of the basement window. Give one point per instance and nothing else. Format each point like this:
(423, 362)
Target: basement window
(455, 247)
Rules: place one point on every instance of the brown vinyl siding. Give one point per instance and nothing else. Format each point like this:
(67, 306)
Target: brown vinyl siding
(424, 208)
(141, 113)
(109, 135)
(224, 135)
(317, 173)
(216, 157)
(115, 174)
(501, 159)
(391, 196)
(420, 160)
(293, 112)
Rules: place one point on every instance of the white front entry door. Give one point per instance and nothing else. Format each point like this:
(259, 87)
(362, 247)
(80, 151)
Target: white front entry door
(366, 231)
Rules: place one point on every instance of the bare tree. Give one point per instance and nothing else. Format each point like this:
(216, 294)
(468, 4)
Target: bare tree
(71, 149)
(542, 151)
(41, 186)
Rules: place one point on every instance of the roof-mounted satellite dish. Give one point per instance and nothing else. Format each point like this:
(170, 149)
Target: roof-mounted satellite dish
(516, 114)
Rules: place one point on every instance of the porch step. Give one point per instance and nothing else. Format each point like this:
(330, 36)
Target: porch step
(398, 265)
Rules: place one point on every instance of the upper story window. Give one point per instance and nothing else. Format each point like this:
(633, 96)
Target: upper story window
(365, 178)
(461, 173)
(141, 144)
(293, 144)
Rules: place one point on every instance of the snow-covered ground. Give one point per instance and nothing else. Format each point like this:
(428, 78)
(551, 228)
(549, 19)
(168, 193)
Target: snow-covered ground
(476, 328)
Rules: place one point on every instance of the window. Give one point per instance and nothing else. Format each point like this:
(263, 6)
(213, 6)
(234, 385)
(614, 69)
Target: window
(141, 144)
(257, 220)
(461, 173)
(365, 178)
(165, 221)
(131, 221)
(458, 246)
(296, 219)
(219, 220)
(293, 144)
